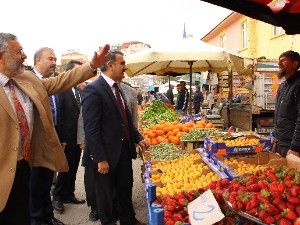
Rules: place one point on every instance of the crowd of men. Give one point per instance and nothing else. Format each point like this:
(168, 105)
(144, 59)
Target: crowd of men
(47, 119)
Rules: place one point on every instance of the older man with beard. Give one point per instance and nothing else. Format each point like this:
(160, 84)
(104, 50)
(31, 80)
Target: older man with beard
(27, 134)
(287, 109)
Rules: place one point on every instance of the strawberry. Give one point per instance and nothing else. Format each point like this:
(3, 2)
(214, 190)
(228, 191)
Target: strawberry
(295, 190)
(288, 183)
(170, 208)
(182, 202)
(253, 188)
(178, 217)
(232, 196)
(237, 205)
(293, 200)
(262, 184)
(289, 214)
(297, 222)
(284, 221)
(253, 203)
(269, 220)
(169, 222)
(272, 210)
(168, 214)
(290, 206)
(297, 210)
(262, 215)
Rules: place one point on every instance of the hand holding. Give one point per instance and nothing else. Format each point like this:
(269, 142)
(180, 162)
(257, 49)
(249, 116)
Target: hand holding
(143, 144)
(103, 167)
(100, 57)
(81, 146)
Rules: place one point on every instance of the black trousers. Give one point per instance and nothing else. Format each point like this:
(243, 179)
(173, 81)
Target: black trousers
(40, 199)
(197, 107)
(114, 192)
(65, 183)
(16, 211)
(89, 186)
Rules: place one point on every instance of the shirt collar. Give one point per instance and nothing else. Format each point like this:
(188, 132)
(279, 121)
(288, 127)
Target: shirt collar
(38, 74)
(3, 79)
(110, 81)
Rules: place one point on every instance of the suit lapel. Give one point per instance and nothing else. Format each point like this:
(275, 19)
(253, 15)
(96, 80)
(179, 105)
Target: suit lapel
(110, 93)
(29, 90)
(4, 102)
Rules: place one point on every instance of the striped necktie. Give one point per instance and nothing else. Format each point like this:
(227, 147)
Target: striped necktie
(23, 123)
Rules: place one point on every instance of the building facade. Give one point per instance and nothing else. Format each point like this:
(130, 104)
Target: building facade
(251, 38)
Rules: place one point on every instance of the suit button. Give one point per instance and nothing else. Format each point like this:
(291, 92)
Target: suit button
(15, 148)
(12, 170)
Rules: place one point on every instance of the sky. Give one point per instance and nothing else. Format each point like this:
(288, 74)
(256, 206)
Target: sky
(85, 25)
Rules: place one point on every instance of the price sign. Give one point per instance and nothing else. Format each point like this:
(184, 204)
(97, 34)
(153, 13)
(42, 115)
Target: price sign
(205, 210)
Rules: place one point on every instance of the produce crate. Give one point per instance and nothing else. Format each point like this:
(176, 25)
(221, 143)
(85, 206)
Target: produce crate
(221, 148)
(190, 146)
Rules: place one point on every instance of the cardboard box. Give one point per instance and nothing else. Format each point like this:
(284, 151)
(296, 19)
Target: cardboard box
(219, 148)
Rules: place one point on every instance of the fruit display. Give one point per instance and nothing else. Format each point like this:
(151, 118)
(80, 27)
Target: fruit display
(165, 151)
(171, 131)
(241, 167)
(175, 206)
(272, 195)
(240, 141)
(156, 112)
(182, 174)
(197, 134)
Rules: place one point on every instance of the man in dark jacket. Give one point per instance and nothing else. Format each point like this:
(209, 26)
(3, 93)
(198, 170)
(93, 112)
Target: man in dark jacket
(182, 98)
(198, 99)
(287, 110)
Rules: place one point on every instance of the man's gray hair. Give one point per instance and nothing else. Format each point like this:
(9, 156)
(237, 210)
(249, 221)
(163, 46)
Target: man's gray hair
(111, 58)
(4, 38)
(38, 53)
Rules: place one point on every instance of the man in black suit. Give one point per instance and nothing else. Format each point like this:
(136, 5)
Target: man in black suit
(69, 108)
(110, 142)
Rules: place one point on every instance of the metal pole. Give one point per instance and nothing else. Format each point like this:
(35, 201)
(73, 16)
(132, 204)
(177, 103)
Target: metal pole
(230, 95)
(190, 95)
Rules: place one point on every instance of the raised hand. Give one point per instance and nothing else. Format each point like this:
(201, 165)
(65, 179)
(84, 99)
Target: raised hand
(99, 57)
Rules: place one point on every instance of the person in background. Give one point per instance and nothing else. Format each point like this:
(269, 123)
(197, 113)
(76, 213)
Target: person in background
(170, 94)
(69, 107)
(110, 137)
(182, 98)
(27, 135)
(198, 99)
(287, 109)
(140, 98)
(41, 210)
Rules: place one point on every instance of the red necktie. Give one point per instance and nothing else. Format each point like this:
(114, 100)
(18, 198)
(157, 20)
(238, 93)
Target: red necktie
(23, 124)
(122, 110)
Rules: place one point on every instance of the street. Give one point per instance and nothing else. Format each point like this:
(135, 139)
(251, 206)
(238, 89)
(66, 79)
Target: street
(78, 214)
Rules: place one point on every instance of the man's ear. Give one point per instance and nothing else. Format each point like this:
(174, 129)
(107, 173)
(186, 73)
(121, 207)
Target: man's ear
(296, 65)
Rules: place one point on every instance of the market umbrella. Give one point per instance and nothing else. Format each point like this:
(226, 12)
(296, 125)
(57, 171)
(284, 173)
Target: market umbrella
(184, 56)
(285, 15)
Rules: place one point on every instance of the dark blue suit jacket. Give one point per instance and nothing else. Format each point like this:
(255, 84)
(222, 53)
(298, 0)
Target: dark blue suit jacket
(103, 125)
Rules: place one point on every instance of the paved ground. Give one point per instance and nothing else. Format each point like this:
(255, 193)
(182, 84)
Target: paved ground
(78, 214)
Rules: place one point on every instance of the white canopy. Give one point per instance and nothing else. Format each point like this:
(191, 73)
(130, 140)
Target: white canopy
(177, 58)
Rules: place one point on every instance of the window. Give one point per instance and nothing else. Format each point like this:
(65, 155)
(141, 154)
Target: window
(244, 28)
(222, 40)
(277, 31)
